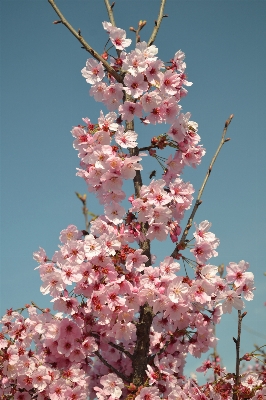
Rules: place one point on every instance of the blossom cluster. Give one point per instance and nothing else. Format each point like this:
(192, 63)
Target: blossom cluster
(86, 347)
(98, 318)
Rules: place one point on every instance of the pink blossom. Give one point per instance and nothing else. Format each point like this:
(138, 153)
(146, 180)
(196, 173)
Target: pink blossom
(114, 213)
(112, 96)
(93, 72)
(250, 380)
(118, 38)
(92, 247)
(231, 299)
(97, 91)
(53, 284)
(152, 72)
(67, 305)
(203, 251)
(112, 385)
(136, 260)
(157, 231)
(89, 345)
(129, 109)
(193, 156)
(135, 85)
(237, 274)
(168, 267)
(168, 82)
(202, 234)
(150, 100)
(178, 60)
(148, 51)
(152, 375)
(70, 233)
(57, 389)
(156, 116)
(106, 123)
(65, 346)
(135, 62)
(177, 290)
(107, 26)
(130, 166)
(149, 393)
(246, 289)
(126, 139)
(40, 256)
(170, 109)
(40, 378)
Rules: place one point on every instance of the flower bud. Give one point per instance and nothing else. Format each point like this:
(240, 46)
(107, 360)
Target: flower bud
(105, 55)
(152, 152)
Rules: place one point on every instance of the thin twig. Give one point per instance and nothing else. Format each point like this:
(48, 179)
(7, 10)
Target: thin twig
(110, 12)
(122, 376)
(198, 201)
(237, 343)
(86, 46)
(114, 345)
(157, 24)
(111, 18)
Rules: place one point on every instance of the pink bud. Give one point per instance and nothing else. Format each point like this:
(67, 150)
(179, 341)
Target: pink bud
(152, 152)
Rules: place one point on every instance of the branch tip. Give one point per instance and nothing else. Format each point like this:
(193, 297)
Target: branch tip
(234, 339)
(57, 22)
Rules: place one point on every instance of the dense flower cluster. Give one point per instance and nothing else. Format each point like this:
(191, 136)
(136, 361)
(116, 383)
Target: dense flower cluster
(87, 346)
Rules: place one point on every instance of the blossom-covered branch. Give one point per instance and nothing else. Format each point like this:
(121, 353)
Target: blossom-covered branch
(124, 323)
(86, 46)
(198, 200)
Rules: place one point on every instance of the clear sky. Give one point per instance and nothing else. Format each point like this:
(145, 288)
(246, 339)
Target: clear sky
(43, 95)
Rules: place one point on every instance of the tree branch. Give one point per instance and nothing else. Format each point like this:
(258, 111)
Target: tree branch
(110, 11)
(111, 18)
(237, 343)
(145, 245)
(198, 201)
(141, 352)
(157, 23)
(86, 46)
(114, 345)
(122, 376)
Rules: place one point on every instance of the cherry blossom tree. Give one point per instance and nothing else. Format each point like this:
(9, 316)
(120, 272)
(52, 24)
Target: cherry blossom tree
(127, 323)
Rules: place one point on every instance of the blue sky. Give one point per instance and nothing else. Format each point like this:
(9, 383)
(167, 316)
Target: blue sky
(43, 95)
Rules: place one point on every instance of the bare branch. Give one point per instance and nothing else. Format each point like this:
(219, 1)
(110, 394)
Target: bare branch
(110, 11)
(141, 24)
(157, 23)
(237, 343)
(198, 201)
(86, 46)
(122, 376)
